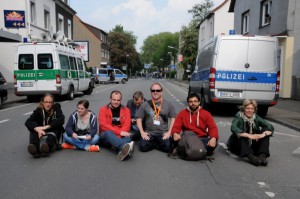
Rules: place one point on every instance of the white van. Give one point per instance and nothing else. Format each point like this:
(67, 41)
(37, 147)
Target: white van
(109, 75)
(47, 67)
(231, 68)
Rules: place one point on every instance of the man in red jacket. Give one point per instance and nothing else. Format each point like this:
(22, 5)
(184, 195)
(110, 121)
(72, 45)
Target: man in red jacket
(195, 119)
(114, 126)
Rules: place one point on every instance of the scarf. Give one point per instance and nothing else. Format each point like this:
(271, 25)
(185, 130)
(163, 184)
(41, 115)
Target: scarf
(251, 123)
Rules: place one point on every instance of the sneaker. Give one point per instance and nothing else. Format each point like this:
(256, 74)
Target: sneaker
(124, 152)
(131, 148)
(44, 148)
(33, 150)
(67, 146)
(94, 148)
(254, 160)
(263, 158)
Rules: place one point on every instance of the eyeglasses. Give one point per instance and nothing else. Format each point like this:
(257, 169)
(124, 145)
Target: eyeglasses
(193, 101)
(153, 90)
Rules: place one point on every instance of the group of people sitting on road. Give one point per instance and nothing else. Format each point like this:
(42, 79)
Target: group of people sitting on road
(154, 123)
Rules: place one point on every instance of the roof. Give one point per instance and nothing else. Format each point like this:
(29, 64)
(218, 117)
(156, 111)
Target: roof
(231, 6)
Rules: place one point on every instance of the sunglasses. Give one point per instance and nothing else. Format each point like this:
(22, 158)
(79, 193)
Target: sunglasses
(152, 90)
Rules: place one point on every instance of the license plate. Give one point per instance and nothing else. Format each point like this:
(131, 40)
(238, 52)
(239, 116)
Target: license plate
(229, 94)
(27, 84)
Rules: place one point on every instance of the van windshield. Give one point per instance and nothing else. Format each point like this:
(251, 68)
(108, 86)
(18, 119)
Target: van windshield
(25, 62)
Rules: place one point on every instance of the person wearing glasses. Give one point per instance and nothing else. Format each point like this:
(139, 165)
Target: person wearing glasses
(114, 126)
(82, 129)
(134, 105)
(196, 119)
(45, 125)
(155, 133)
(250, 135)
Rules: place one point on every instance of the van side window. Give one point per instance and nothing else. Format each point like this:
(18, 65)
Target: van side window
(205, 57)
(119, 72)
(100, 71)
(72, 63)
(64, 62)
(45, 61)
(26, 62)
(79, 62)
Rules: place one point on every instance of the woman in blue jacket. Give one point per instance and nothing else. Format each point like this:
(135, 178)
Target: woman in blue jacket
(82, 129)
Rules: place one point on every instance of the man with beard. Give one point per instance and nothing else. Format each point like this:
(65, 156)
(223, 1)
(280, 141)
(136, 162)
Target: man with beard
(195, 119)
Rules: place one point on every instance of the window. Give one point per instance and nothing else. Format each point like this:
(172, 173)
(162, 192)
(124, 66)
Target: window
(64, 62)
(80, 65)
(266, 7)
(46, 19)
(202, 33)
(32, 12)
(45, 61)
(211, 30)
(69, 29)
(102, 52)
(118, 72)
(245, 23)
(26, 62)
(60, 23)
(72, 63)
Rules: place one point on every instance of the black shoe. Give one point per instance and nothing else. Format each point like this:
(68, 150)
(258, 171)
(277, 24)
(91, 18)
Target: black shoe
(33, 150)
(124, 152)
(254, 160)
(44, 148)
(262, 157)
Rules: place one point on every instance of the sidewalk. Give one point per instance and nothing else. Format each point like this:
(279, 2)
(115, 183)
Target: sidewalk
(286, 112)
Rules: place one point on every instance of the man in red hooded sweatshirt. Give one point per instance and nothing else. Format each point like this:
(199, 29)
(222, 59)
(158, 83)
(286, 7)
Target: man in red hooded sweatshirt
(195, 119)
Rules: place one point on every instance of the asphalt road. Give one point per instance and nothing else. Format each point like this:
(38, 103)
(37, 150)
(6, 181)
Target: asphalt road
(79, 174)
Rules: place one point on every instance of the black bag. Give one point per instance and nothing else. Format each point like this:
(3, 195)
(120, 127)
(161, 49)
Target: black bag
(190, 147)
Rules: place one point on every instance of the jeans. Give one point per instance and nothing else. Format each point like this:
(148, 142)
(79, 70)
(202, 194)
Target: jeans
(81, 143)
(108, 138)
(155, 142)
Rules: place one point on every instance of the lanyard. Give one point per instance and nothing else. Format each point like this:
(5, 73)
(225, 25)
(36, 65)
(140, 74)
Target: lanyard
(157, 111)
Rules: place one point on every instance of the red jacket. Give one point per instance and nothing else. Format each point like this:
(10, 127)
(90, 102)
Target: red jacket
(187, 121)
(105, 120)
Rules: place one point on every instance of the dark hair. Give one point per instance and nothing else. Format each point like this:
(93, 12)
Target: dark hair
(137, 95)
(115, 92)
(85, 103)
(191, 95)
(156, 83)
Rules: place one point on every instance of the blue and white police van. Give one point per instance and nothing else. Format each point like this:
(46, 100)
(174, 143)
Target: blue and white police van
(231, 68)
(109, 75)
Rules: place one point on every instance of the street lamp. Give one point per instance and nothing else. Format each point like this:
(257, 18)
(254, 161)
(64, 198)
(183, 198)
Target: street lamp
(173, 48)
(126, 65)
(173, 56)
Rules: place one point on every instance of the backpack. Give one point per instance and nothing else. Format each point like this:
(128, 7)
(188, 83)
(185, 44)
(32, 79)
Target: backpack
(190, 147)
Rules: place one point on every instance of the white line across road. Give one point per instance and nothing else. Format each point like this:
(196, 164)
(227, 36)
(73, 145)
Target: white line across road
(176, 86)
(27, 113)
(2, 121)
(15, 107)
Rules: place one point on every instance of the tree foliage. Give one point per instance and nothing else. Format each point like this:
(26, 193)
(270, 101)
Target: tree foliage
(200, 11)
(119, 28)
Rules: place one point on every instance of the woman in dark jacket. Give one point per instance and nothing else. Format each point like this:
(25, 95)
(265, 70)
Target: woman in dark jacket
(46, 121)
(250, 135)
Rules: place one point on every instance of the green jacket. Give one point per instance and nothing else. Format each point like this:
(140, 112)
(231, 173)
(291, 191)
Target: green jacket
(237, 125)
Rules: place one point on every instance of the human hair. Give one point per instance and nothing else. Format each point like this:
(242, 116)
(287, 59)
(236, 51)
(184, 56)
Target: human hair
(137, 95)
(191, 95)
(156, 83)
(115, 92)
(41, 105)
(247, 102)
(84, 103)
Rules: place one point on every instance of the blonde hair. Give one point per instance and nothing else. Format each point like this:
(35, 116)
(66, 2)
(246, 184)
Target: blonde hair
(247, 102)
(41, 105)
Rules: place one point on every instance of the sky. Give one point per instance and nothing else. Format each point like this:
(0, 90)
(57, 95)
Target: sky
(142, 17)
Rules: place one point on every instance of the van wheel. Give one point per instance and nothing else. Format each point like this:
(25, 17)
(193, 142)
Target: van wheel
(31, 98)
(0, 102)
(123, 81)
(189, 91)
(203, 103)
(88, 91)
(71, 93)
(262, 111)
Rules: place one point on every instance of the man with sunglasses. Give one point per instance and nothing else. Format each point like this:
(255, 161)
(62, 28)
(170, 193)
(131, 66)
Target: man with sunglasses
(155, 113)
(195, 119)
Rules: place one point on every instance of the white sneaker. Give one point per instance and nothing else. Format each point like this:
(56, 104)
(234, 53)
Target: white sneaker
(124, 152)
(131, 148)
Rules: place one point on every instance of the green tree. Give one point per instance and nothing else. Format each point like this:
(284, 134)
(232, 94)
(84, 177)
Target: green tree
(119, 28)
(200, 11)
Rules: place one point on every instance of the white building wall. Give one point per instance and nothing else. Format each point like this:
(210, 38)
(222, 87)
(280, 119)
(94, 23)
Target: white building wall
(8, 49)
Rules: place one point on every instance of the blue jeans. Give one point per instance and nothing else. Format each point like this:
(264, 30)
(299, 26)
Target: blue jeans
(81, 143)
(108, 138)
(155, 142)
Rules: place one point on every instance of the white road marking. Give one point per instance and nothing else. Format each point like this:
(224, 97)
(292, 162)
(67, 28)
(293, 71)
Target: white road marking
(2, 121)
(294, 136)
(15, 107)
(27, 113)
(270, 194)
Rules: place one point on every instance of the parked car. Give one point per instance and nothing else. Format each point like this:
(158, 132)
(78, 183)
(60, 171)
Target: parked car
(3, 90)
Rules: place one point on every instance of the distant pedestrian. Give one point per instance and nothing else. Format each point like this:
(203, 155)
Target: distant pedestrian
(134, 105)
(114, 126)
(250, 134)
(156, 131)
(82, 129)
(46, 122)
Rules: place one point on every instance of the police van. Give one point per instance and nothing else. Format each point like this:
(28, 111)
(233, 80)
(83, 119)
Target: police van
(109, 75)
(231, 68)
(50, 67)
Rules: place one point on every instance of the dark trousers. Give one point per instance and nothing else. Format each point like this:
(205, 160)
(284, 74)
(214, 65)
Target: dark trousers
(240, 146)
(50, 140)
(155, 142)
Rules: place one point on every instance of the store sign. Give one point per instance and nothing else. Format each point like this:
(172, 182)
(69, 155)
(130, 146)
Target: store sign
(14, 18)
